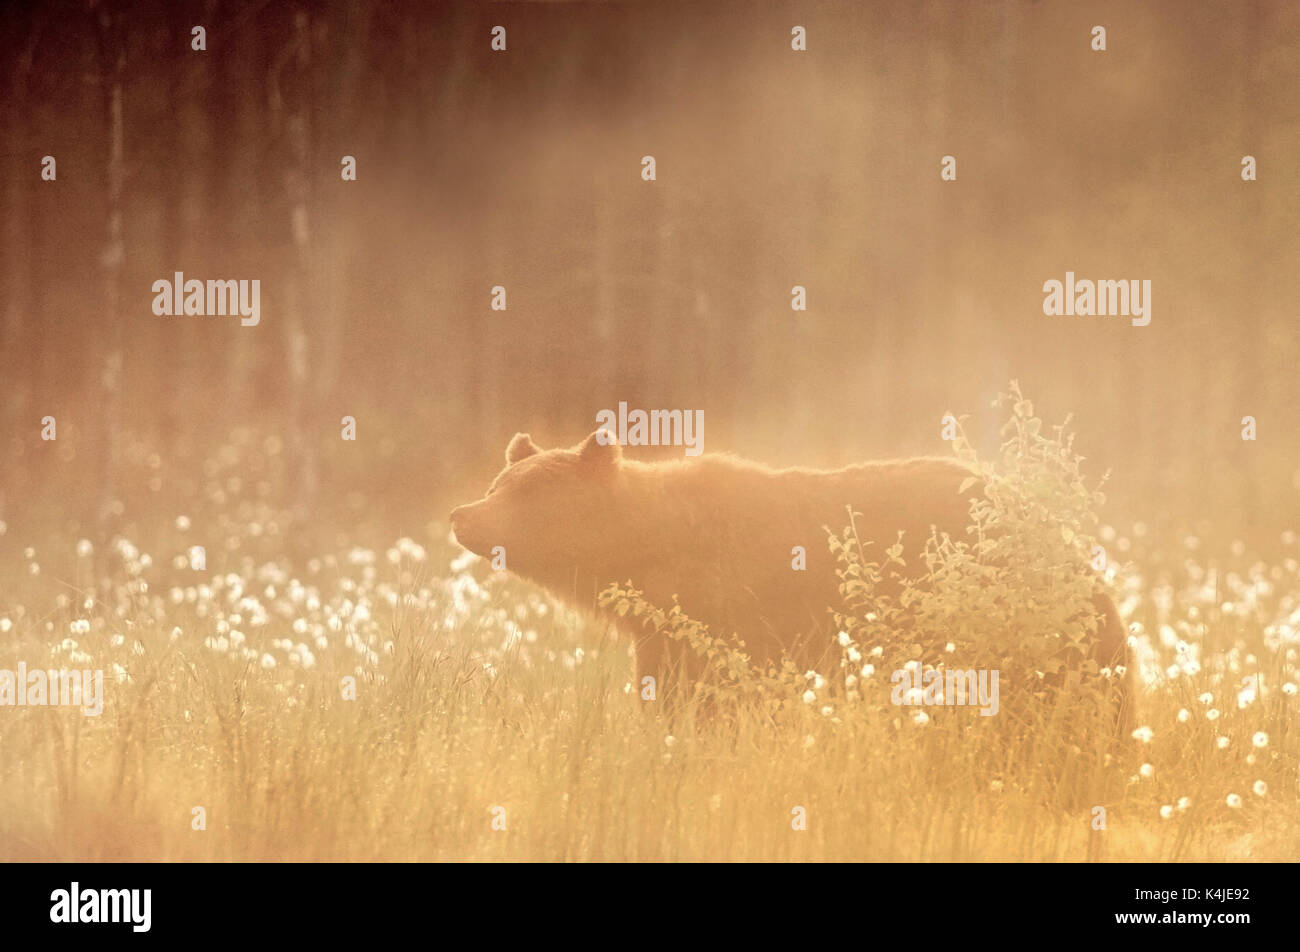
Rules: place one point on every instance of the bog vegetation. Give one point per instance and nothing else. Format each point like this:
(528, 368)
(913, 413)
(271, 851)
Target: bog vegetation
(405, 702)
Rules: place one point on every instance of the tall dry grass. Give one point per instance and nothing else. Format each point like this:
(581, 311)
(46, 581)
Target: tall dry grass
(491, 724)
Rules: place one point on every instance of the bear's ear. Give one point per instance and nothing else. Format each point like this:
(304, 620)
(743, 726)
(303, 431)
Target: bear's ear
(600, 449)
(521, 447)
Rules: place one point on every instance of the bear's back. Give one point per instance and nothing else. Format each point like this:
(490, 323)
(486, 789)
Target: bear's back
(748, 548)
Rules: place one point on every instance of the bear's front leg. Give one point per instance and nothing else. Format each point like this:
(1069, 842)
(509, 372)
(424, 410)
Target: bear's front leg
(668, 671)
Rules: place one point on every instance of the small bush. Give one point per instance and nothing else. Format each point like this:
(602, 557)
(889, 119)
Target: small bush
(1015, 596)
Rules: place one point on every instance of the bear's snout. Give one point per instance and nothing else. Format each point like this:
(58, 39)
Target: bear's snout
(462, 526)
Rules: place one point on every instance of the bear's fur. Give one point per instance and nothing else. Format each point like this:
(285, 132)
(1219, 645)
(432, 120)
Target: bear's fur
(717, 532)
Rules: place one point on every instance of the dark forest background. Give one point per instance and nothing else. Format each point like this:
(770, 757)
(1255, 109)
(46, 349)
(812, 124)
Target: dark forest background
(775, 168)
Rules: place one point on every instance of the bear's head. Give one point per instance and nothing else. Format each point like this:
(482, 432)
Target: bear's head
(546, 508)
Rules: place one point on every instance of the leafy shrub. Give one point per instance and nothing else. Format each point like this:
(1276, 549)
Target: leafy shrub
(1015, 596)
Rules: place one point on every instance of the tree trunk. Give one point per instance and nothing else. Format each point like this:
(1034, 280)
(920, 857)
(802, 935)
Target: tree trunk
(109, 437)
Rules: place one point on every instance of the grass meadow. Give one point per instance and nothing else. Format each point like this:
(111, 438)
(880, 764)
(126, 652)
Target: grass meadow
(490, 723)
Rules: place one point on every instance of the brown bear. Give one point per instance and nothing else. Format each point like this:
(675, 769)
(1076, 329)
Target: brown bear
(718, 533)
